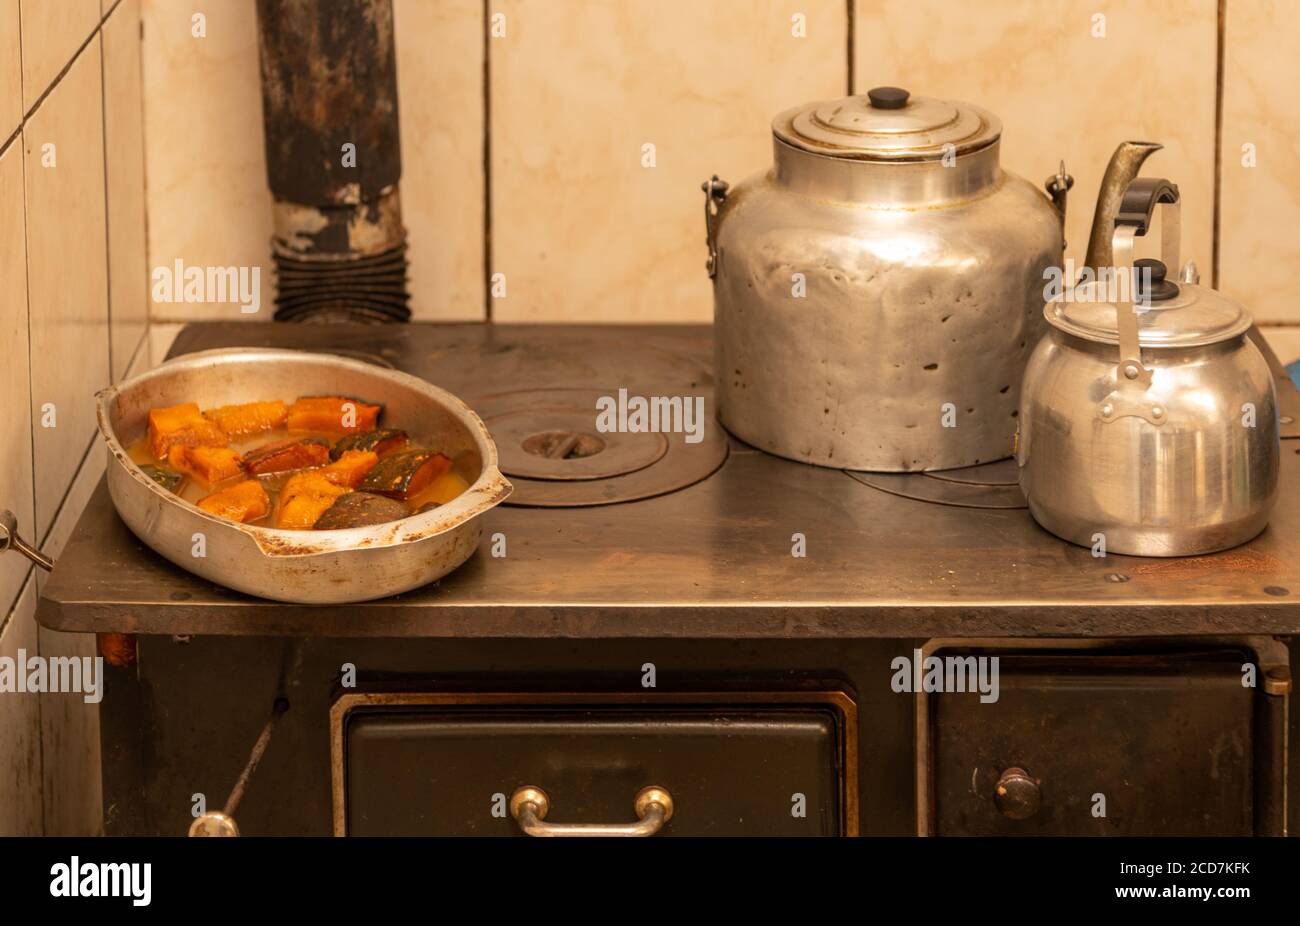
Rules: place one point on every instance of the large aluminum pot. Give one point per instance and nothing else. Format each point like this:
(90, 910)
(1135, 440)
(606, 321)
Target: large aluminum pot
(877, 292)
(307, 567)
(1152, 429)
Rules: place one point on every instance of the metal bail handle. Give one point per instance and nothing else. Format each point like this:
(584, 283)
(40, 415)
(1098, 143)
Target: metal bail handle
(1132, 221)
(715, 191)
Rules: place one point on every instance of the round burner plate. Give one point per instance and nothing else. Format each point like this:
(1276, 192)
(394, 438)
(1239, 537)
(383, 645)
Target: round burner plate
(550, 449)
(564, 445)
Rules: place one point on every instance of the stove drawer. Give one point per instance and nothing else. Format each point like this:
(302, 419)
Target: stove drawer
(1107, 743)
(735, 764)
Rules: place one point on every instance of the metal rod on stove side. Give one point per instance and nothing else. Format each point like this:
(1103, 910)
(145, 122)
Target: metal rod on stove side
(222, 823)
(254, 757)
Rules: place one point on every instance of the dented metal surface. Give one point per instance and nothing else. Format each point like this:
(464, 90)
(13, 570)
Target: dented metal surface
(305, 567)
(875, 306)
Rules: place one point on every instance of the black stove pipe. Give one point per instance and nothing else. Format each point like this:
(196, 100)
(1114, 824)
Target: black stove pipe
(333, 159)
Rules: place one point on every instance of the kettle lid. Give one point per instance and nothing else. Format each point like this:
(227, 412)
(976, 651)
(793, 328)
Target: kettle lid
(888, 123)
(1174, 315)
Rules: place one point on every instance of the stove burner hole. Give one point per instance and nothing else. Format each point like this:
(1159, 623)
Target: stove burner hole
(563, 445)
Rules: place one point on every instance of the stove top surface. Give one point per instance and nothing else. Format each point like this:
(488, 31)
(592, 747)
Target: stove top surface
(706, 549)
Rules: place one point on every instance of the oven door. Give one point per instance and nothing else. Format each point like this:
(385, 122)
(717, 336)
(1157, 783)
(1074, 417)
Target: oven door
(545, 764)
(1097, 738)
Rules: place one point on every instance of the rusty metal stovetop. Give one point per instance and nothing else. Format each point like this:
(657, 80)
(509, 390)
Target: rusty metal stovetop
(702, 553)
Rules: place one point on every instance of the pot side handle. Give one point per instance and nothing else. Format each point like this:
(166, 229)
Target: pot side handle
(1058, 189)
(715, 191)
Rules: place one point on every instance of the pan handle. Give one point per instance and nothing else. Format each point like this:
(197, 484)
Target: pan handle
(9, 540)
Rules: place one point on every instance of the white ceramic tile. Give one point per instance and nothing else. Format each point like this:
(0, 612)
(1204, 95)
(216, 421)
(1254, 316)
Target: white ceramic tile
(21, 804)
(1285, 343)
(207, 197)
(15, 384)
(73, 790)
(67, 279)
(1258, 249)
(1070, 80)
(440, 98)
(581, 230)
(51, 34)
(83, 486)
(140, 359)
(70, 725)
(11, 71)
(124, 166)
(161, 336)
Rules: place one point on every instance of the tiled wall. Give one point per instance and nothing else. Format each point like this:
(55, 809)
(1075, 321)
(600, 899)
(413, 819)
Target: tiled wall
(537, 160)
(73, 316)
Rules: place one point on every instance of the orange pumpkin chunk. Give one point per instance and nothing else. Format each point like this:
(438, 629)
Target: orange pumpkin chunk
(249, 418)
(332, 414)
(304, 498)
(349, 469)
(182, 425)
(208, 465)
(245, 501)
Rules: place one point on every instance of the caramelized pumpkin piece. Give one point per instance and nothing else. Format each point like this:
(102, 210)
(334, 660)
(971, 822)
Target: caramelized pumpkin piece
(360, 509)
(438, 492)
(249, 418)
(304, 498)
(244, 501)
(349, 469)
(208, 465)
(403, 475)
(332, 414)
(284, 455)
(182, 425)
(383, 442)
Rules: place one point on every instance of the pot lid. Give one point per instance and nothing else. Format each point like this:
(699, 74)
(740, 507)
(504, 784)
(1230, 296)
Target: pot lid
(887, 123)
(1179, 314)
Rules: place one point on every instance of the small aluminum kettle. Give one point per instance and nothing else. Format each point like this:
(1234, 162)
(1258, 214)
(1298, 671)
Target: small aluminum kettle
(1148, 418)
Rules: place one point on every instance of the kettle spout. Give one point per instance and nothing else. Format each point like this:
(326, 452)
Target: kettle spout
(1120, 172)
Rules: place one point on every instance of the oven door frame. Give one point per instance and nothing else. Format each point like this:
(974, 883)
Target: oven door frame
(841, 703)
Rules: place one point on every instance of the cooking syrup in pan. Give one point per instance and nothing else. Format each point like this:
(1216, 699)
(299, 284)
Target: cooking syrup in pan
(441, 490)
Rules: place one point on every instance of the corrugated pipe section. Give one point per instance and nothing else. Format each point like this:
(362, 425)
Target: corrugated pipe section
(333, 159)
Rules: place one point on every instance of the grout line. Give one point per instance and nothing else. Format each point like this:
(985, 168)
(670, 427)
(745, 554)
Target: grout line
(487, 163)
(81, 464)
(135, 351)
(851, 36)
(57, 77)
(144, 179)
(108, 253)
(7, 618)
(1218, 142)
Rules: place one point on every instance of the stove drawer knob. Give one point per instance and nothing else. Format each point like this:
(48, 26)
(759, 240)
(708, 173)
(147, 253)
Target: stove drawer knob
(1017, 795)
(214, 824)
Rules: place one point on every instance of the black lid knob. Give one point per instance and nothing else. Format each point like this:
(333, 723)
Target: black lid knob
(1160, 287)
(888, 97)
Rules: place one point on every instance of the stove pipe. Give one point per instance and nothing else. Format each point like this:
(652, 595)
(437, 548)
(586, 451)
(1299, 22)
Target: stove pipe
(333, 159)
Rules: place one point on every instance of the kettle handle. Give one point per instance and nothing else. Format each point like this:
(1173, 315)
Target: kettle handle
(1132, 220)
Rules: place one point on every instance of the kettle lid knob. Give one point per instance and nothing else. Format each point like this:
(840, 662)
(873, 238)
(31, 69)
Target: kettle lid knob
(1161, 288)
(888, 97)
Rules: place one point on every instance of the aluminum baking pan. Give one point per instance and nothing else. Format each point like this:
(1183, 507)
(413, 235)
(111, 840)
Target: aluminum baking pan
(305, 567)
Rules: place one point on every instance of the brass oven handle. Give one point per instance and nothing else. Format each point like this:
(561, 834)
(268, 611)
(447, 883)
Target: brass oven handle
(529, 805)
